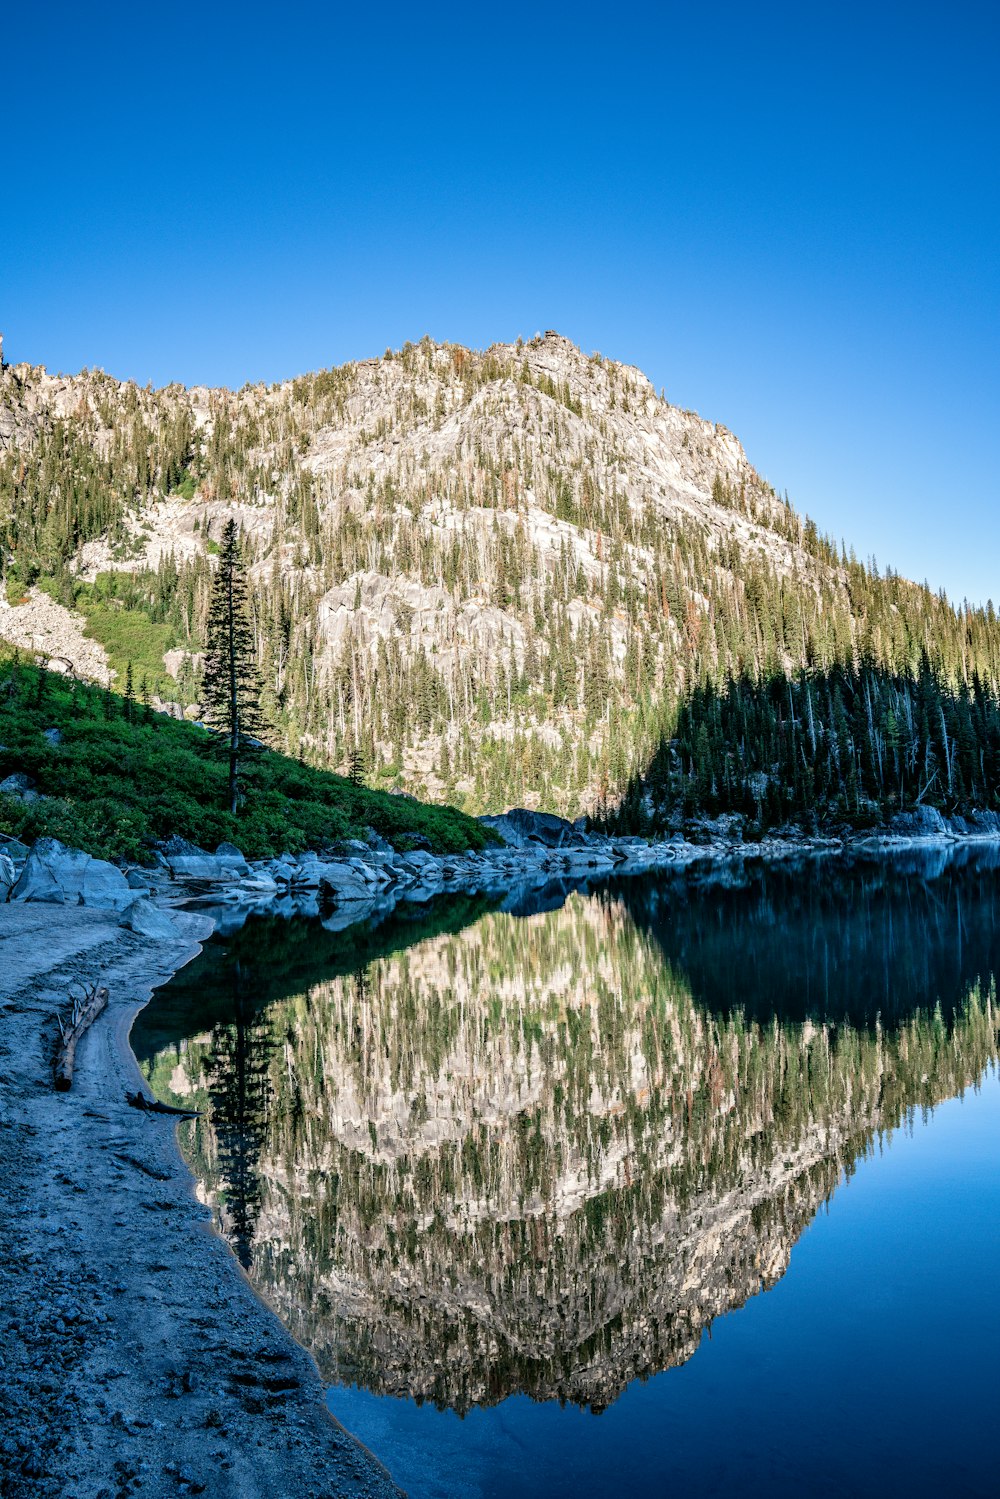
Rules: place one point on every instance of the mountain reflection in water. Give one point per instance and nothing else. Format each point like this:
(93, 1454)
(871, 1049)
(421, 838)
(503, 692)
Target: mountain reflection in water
(474, 1154)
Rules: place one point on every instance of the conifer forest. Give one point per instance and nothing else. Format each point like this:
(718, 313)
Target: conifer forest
(512, 577)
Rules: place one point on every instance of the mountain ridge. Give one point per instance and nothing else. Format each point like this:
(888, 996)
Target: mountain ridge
(499, 572)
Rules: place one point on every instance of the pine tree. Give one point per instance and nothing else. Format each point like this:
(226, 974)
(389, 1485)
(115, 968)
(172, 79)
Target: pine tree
(356, 770)
(128, 710)
(230, 683)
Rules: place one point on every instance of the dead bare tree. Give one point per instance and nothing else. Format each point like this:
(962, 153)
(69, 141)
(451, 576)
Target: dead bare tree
(85, 1009)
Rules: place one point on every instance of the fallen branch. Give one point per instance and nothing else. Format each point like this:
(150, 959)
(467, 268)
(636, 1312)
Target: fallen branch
(85, 1009)
(154, 1106)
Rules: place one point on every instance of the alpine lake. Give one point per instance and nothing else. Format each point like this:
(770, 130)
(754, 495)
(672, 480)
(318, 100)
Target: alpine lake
(680, 1185)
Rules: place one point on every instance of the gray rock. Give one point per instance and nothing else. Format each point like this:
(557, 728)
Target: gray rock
(232, 857)
(921, 822)
(343, 882)
(8, 876)
(377, 844)
(149, 921)
(186, 861)
(519, 828)
(419, 860)
(67, 876)
(306, 873)
(54, 736)
(16, 784)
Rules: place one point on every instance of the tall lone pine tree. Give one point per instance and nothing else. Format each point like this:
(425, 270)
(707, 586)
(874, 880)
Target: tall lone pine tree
(230, 682)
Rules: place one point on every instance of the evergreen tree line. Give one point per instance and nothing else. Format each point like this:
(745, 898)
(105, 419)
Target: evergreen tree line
(854, 742)
(638, 652)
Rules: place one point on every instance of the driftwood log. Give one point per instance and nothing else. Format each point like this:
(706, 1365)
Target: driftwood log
(85, 1009)
(154, 1106)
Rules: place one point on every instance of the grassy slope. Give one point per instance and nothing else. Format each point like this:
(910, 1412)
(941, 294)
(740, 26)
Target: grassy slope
(114, 788)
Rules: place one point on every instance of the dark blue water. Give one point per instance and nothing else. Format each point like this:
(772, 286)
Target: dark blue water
(869, 1369)
(678, 1188)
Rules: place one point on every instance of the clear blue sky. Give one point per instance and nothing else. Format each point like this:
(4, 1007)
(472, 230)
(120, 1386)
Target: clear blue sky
(787, 215)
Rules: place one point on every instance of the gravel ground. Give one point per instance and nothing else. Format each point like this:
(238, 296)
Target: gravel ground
(134, 1357)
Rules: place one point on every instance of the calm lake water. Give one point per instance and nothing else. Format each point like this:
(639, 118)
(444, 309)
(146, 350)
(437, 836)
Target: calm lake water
(674, 1187)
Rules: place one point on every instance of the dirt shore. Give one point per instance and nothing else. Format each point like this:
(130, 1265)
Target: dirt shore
(135, 1359)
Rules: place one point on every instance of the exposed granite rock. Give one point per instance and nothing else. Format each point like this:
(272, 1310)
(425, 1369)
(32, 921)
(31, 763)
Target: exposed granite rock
(66, 876)
(148, 920)
(520, 828)
(922, 822)
(16, 783)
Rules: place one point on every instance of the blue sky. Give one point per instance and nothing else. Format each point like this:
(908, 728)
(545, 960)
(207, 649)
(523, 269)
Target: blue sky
(788, 216)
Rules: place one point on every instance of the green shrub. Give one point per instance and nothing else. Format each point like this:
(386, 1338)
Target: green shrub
(114, 788)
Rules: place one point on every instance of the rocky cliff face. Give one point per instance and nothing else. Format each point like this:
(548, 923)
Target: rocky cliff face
(499, 574)
(488, 568)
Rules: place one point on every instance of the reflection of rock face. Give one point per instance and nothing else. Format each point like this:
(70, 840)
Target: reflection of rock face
(523, 1157)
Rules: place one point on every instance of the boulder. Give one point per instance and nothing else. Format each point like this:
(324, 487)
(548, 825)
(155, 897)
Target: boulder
(343, 882)
(232, 858)
(420, 863)
(186, 861)
(520, 828)
(149, 920)
(67, 876)
(376, 844)
(54, 736)
(921, 822)
(259, 882)
(8, 876)
(16, 784)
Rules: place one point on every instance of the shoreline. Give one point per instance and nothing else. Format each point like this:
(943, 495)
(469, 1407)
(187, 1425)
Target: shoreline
(137, 1357)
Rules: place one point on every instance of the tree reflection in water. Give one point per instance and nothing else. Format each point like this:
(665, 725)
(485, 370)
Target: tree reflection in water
(541, 1154)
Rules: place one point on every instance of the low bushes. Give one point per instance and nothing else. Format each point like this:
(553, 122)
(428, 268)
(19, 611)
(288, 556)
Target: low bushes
(114, 786)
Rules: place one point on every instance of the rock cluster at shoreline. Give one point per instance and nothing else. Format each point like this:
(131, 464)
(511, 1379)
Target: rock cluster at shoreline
(535, 850)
